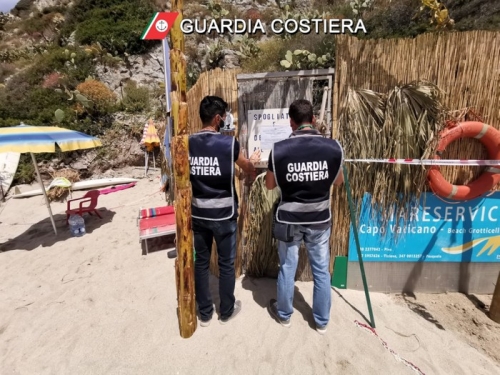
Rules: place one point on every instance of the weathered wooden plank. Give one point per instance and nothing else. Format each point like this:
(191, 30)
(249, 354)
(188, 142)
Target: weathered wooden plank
(184, 264)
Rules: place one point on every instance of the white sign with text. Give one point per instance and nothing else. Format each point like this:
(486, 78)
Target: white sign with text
(266, 127)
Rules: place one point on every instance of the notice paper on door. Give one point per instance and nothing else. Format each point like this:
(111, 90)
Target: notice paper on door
(272, 134)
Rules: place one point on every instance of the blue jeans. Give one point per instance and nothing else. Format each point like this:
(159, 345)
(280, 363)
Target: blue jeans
(224, 233)
(318, 249)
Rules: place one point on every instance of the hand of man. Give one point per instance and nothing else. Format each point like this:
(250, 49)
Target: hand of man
(255, 158)
(247, 165)
(252, 174)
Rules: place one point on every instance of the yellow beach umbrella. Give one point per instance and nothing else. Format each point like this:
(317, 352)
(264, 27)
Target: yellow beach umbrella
(150, 136)
(36, 139)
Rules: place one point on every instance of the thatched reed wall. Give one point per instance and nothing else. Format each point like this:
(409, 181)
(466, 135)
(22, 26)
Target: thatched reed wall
(220, 83)
(213, 82)
(465, 66)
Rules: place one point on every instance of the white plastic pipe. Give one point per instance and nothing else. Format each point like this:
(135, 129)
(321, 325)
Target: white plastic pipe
(44, 192)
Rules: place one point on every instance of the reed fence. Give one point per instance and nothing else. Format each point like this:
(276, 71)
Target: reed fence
(464, 65)
(213, 82)
(221, 83)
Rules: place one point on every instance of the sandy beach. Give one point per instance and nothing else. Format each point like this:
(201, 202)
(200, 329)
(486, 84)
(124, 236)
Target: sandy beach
(96, 305)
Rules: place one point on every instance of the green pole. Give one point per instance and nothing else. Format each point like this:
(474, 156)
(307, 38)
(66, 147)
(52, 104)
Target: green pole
(358, 247)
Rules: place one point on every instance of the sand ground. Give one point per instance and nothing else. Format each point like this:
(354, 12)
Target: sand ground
(97, 305)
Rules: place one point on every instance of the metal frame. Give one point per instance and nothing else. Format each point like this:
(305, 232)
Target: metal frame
(289, 74)
(317, 74)
(155, 235)
(161, 234)
(242, 132)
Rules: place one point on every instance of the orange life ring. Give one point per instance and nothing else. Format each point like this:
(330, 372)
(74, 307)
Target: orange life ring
(490, 138)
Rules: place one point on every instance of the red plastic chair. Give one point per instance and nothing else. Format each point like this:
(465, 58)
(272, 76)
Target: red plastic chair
(88, 203)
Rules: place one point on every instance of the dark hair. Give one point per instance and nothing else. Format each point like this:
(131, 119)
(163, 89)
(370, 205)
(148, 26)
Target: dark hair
(210, 107)
(301, 111)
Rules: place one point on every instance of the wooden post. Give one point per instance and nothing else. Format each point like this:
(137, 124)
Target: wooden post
(184, 263)
(242, 137)
(495, 303)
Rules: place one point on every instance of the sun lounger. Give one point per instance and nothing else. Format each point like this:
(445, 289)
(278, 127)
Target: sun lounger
(156, 222)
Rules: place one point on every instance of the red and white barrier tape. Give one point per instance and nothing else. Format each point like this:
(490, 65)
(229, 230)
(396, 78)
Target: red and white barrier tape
(427, 161)
(396, 355)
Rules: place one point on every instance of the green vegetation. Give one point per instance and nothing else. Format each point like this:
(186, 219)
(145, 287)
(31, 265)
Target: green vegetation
(31, 95)
(409, 18)
(116, 24)
(270, 54)
(95, 97)
(405, 21)
(23, 5)
(474, 14)
(25, 170)
(136, 99)
(216, 10)
(6, 70)
(41, 27)
(287, 52)
(303, 59)
(382, 19)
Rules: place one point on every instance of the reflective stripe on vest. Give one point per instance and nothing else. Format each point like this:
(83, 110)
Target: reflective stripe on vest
(212, 176)
(213, 203)
(305, 167)
(305, 207)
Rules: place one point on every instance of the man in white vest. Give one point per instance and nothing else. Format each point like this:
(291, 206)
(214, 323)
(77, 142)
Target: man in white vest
(214, 207)
(304, 167)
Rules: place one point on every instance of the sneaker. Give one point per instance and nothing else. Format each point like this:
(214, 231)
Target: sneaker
(321, 329)
(205, 323)
(273, 310)
(236, 311)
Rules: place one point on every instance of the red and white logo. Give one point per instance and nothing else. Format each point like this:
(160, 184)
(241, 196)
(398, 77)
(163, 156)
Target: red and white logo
(159, 26)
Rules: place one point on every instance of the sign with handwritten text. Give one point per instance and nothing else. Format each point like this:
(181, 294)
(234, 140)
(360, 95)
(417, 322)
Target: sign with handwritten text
(267, 126)
(272, 134)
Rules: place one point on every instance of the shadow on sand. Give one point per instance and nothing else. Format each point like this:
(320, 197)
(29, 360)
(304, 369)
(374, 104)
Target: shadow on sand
(480, 305)
(264, 289)
(160, 244)
(352, 306)
(42, 233)
(421, 310)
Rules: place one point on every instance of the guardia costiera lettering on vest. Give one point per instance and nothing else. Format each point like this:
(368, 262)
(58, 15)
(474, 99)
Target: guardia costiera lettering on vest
(211, 159)
(308, 171)
(305, 167)
(204, 166)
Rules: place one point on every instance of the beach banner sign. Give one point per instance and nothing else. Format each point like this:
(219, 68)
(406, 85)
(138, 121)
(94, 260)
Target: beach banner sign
(437, 231)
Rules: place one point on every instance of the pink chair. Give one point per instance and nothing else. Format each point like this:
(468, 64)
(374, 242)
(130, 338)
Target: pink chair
(88, 203)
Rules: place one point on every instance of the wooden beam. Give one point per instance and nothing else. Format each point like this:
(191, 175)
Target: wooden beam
(184, 263)
(291, 74)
